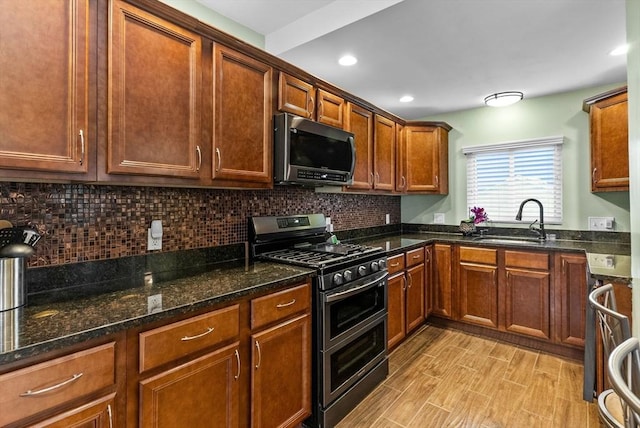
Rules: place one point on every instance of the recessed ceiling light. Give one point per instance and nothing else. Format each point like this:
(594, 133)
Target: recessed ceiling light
(347, 60)
(502, 99)
(620, 50)
(406, 99)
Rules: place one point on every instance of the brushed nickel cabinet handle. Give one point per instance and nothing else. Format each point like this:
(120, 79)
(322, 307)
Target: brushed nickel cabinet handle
(110, 416)
(311, 106)
(238, 361)
(437, 182)
(404, 279)
(403, 182)
(377, 178)
(31, 393)
(81, 134)
(371, 181)
(197, 336)
(259, 354)
(593, 175)
(320, 110)
(416, 256)
(395, 264)
(409, 281)
(219, 164)
(199, 153)
(284, 305)
(428, 255)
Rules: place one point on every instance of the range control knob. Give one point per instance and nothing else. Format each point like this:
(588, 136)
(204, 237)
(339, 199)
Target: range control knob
(338, 279)
(374, 266)
(382, 263)
(362, 271)
(348, 275)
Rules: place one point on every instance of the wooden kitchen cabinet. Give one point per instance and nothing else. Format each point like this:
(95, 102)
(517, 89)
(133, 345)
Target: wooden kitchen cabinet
(405, 294)
(48, 109)
(428, 280)
(528, 293)
(478, 286)
(99, 413)
(359, 121)
(303, 99)
(571, 298)
(442, 287)
(155, 89)
(62, 389)
(384, 153)
(423, 151)
(281, 358)
(608, 119)
(243, 131)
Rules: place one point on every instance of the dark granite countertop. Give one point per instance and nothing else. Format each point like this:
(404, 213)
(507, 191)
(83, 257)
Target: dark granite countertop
(607, 261)
(40, 328)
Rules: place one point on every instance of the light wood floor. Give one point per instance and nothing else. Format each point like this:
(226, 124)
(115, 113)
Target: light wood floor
(445, 378)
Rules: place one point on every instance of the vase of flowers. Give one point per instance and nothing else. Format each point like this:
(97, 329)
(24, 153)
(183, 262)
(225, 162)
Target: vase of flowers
(468, 226)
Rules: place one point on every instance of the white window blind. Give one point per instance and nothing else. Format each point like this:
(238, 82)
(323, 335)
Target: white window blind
(501, 176)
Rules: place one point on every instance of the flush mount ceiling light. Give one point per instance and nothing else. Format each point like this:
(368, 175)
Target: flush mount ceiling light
(620, 50)
(501, 99)
(406, 99)
(347, 60)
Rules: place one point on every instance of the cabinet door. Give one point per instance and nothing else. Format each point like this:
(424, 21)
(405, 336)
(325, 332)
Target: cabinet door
(426, 154)
(44, 87)
(384, 149)
(478, 286)
(527, 302)
(242, 124)
(296, 96)
(330, 109)
(96, 414)
(154, 96)
(428, 280)
(401, 159)
(281, 374)
(396, 328)
(415, 297)
(442, 281)
(359, 121)
(202, 392)
(610, 144)
(572, 290)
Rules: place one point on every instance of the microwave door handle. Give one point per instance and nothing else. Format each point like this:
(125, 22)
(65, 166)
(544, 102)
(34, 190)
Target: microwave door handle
(353, 155)
(348, 293)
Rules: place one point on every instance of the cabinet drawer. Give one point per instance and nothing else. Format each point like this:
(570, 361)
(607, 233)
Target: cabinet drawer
(395, 263)
(43, 386)
(524, 259)
(273, 307)
(170, 342)
(479, 255)
(415, 257)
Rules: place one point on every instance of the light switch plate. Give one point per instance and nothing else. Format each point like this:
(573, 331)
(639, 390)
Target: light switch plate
(438, 218)
(601, 223)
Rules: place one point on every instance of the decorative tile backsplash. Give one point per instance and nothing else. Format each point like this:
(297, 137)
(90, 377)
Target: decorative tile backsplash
(83, 222)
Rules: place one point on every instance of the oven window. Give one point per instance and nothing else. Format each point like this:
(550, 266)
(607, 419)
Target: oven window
(346, 362)
(347, 313)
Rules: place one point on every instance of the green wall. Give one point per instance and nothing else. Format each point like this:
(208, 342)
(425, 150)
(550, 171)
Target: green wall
(221, 22)
(553, 115)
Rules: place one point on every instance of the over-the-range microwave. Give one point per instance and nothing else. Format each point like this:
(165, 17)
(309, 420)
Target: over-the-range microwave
(311, 153)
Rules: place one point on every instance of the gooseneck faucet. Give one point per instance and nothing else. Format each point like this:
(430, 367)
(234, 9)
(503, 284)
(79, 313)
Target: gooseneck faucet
(543, 235)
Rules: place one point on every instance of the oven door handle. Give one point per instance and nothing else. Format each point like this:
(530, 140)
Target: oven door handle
(350, 292)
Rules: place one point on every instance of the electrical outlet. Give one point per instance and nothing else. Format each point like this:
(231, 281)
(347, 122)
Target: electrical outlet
(601, 223)
(154, 303)
(603, 261)
(387, 219)
(438, 218)
(153, 243)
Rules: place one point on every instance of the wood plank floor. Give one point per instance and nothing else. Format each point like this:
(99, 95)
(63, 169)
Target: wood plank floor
(446, 378)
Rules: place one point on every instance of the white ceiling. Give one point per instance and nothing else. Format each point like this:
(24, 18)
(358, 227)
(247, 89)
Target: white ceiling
(448, 54)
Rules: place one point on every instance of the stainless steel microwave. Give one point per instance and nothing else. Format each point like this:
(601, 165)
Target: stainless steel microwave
(311, 153)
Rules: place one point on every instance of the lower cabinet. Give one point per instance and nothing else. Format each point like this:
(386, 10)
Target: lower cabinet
(99, 413)
(406, 294)
(442, 288)
(201, 392)
(478, 286)
(571, 298)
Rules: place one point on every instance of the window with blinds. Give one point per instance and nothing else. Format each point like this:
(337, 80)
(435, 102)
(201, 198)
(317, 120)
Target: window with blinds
(501, 176)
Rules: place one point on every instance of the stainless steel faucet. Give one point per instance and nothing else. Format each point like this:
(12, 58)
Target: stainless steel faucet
(541, 232)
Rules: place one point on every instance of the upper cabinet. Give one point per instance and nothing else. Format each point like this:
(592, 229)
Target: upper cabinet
(243, 131)
(423, 159)
(155, 85)
(359, 121)
(47, 118)
(608, 119)
(298, 97)
(384, 153)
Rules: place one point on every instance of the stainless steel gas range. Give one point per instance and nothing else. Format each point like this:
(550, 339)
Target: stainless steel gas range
(349, 309)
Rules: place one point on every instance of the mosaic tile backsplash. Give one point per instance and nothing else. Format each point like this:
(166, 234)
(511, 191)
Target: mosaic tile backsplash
(82, 222)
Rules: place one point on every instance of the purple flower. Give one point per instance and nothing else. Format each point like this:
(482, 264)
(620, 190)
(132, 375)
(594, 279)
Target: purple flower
(479, 215)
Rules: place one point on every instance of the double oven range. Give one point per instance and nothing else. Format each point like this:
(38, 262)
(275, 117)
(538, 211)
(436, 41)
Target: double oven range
(349, 309)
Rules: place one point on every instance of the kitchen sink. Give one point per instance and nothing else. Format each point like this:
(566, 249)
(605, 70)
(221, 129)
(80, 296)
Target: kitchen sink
(507, 240)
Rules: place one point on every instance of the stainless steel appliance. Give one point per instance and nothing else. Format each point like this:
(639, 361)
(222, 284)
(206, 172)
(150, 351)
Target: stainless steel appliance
(349, 309)
(311, 153)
